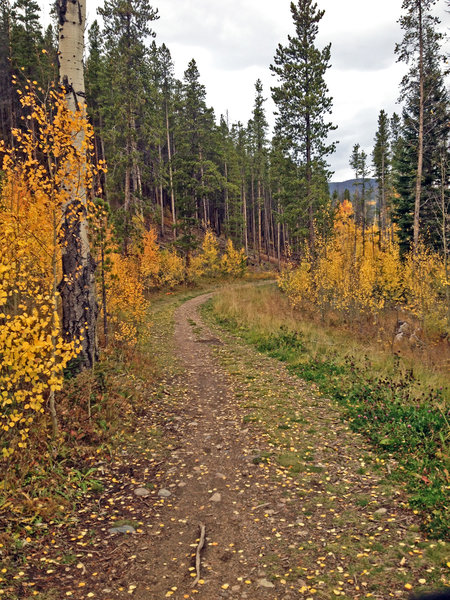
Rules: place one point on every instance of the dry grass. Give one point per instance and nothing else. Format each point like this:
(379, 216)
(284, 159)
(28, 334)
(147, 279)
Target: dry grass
(265, 309)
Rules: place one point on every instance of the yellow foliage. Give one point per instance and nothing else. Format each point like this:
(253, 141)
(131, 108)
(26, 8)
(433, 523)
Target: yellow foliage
(151, 257)
(233, 262)
(37, 174)
(172, 271)
(160, 268)
(125, 298)
(209, 263)
(357, 277)
(425, 286)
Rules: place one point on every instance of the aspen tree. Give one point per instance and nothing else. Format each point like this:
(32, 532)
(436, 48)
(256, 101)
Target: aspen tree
(77, 288)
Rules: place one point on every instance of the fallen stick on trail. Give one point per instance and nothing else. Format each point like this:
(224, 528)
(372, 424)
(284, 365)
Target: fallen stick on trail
(201, 543)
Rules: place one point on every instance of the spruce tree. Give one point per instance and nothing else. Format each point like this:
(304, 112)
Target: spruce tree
(166, 73)
(26, 37)
(196, 176)
(381, 162)
(127, 24)
(419, 25)
(358, 161)
(258, 137)
(303, 101)
(431, 128)
(96, 94)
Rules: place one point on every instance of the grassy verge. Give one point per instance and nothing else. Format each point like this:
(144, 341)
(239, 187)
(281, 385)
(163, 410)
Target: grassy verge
(401, 408)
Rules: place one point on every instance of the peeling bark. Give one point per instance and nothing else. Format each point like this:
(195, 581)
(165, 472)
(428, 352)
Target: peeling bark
(77, 288)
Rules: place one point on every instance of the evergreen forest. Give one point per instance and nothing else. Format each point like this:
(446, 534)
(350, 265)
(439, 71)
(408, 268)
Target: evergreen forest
(178, 291)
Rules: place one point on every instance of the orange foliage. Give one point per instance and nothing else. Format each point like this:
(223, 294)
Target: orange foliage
(37, 175)
(358, 278)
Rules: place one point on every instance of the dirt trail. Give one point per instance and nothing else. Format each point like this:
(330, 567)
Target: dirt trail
(215, 458)
(294, 504)
(317, 527)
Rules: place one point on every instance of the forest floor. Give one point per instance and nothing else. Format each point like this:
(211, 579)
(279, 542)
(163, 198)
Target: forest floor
(292, 503)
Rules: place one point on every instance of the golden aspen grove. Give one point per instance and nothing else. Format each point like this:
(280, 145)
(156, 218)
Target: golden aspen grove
(361, 280)
(224, 336)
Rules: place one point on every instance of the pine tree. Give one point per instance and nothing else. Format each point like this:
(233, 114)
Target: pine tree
(284, 178)
(381, 161)
(418, 25)
(241, 144)
(432, 129)
(302, 99)
(165, 69)
(126, 27)
(230, 200)
(196, 176)
(258, 138)
(96, 95)
(26, 37)
(358, 162)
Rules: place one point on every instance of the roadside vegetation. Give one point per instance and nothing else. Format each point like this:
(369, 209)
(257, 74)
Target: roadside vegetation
(398, 403)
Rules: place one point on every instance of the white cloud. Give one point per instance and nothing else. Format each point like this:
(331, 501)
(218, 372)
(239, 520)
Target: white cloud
(238, 34)
(234, 41)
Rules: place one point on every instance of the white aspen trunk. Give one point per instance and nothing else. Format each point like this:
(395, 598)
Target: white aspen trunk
(77, 288)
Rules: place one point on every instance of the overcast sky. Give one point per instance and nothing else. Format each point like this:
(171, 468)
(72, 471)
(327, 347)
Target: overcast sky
(234, 42)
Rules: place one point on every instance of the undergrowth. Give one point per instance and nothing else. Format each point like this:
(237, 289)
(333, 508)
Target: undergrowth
(403, 413)
(42, 487)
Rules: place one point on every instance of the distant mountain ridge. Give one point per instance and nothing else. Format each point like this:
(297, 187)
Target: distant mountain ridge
(351, 185)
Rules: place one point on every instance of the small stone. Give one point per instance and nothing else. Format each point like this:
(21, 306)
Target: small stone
(220, 476)
(236, 588)
(122, 529)
(141, 492)
(264, 583)
(380, 511)
(164, 493)
(216, 497)
(182, 484)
